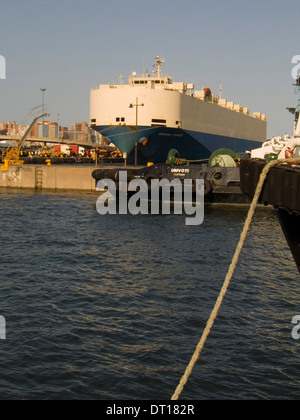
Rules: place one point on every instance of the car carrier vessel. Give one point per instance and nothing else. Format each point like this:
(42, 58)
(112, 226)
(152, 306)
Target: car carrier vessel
(153, 114)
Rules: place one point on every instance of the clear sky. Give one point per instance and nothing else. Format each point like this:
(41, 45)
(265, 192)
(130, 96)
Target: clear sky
(71, 46)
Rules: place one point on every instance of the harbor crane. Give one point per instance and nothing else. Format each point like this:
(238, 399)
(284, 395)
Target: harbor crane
(11, 156)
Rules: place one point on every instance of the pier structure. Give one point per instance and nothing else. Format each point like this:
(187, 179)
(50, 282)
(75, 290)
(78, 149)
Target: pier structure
(83, 142)
(54, 177)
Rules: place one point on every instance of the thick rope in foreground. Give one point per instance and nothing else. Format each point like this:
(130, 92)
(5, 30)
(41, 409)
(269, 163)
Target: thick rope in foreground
(230, 273)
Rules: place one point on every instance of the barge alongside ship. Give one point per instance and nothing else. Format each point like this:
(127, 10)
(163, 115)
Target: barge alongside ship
(221, 175)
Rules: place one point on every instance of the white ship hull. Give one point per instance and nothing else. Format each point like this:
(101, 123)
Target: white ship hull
(154, 114)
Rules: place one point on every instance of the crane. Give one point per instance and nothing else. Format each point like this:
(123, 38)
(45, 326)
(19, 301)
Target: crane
(12, 153)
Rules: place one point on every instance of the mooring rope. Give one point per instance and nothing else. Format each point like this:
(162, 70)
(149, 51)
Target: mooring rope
(230, 273)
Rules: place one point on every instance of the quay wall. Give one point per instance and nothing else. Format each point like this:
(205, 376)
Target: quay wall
(42, 177)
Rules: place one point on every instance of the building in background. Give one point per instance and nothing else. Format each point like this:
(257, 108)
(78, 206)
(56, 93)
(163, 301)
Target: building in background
(79, 132)
(80, 127)
(11, 128)
(49, 130)
(63, 132)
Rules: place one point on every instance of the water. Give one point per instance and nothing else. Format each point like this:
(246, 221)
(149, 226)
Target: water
(112, 307)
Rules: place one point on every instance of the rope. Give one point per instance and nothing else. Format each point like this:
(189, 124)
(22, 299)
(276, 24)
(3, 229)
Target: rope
(230, 273)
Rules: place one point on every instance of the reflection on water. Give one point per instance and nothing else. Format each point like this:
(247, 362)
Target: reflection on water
(113, 306)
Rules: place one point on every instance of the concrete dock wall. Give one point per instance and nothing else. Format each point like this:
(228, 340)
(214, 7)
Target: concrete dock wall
(42, 177)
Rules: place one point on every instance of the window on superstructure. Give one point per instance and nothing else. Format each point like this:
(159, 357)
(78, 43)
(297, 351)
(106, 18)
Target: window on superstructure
(159, 121)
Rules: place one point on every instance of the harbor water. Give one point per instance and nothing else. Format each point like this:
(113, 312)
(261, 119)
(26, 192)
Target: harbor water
(112, 307)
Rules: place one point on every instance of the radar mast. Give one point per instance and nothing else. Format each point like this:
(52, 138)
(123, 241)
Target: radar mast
(158, 64)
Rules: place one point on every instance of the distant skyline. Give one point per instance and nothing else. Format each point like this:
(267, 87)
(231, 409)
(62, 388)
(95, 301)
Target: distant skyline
(71, 46)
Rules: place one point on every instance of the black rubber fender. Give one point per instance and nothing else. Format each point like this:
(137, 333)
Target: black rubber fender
(130, 175)
(207, 187)
(150, 176)
(113, 174)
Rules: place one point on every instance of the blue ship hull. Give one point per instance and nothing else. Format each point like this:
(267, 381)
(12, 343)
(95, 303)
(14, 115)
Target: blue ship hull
(154, 143)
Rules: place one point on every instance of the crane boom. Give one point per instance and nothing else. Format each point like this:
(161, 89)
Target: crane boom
(12, 154)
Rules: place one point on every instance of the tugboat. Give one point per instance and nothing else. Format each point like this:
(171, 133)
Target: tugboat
(221, 175)
(282, 186)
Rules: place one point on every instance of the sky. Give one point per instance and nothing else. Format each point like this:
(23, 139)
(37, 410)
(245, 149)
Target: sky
(71, 46)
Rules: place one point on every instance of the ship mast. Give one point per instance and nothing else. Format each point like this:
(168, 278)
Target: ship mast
(297, 112)
(158, 65)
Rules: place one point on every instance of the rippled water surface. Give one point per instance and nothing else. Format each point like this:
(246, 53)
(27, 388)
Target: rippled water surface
(112, 307)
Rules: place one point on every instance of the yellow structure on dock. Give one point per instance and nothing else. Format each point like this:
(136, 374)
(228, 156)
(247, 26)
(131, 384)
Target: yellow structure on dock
(12, 153)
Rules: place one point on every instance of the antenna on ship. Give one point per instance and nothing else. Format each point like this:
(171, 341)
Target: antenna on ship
(298, 86)
(296, 111)
(297, 124)
(221, 89)
(158, 64)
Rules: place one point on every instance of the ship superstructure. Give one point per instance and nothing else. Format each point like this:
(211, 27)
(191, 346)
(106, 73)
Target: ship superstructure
(153, 114)
(283, 147)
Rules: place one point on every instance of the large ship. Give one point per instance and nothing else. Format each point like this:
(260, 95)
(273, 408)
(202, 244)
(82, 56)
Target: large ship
(153, 114)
